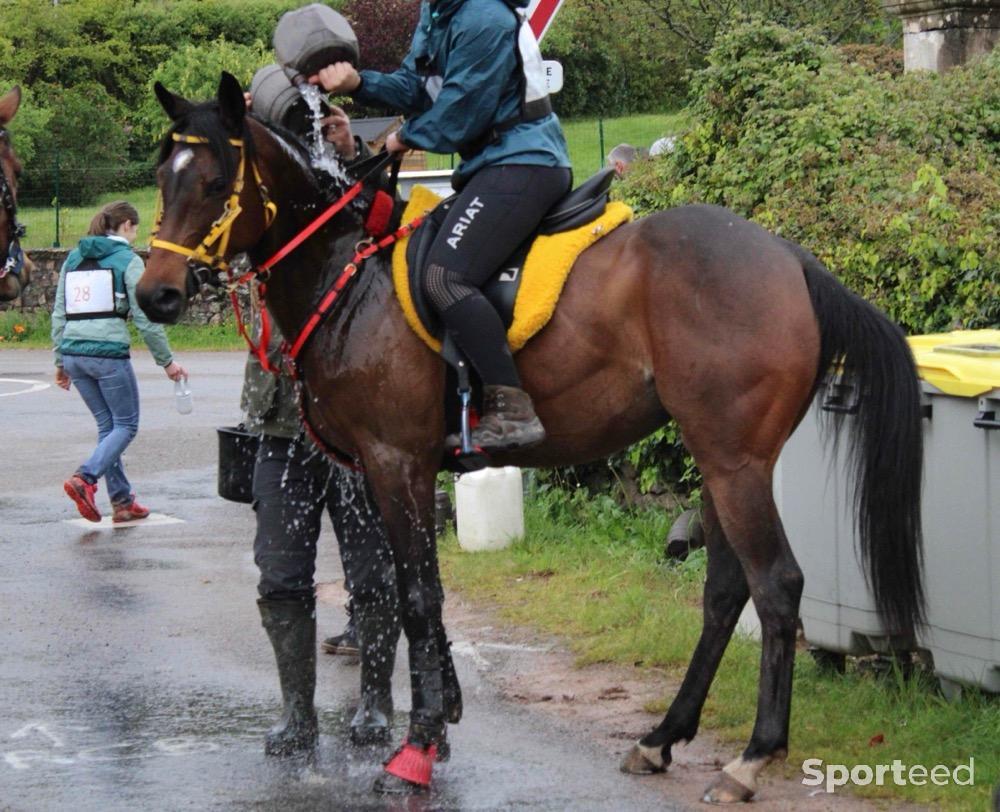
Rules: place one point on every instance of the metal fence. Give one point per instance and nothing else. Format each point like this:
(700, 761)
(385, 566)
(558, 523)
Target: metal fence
(51, 189)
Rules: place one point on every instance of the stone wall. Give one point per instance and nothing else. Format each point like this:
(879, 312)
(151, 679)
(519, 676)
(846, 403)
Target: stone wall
(205, 308)
(941, 34)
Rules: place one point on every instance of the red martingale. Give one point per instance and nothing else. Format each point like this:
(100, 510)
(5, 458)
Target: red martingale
(413, 764)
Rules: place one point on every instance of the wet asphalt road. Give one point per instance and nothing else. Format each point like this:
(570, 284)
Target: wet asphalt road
(133, 670)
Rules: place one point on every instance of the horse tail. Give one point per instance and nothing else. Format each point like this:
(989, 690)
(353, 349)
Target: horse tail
(885, 453)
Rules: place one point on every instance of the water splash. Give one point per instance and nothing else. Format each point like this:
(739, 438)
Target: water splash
(321, 153)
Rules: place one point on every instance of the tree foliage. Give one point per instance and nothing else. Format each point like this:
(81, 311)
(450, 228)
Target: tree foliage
(697, 23)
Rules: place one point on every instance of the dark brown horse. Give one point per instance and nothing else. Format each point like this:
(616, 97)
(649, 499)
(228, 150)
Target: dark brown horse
(693, 313)
(11, 283)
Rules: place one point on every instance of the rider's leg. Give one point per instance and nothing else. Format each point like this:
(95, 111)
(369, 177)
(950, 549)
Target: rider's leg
(499, 208)
(289, 487)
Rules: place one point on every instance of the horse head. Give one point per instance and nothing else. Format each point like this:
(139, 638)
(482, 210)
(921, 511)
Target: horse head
(229, 184)
(15, 268)
(214, 202)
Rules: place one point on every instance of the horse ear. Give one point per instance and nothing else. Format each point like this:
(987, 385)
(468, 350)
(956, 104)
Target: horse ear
(232, 104)
(9, 104)
(174, 106)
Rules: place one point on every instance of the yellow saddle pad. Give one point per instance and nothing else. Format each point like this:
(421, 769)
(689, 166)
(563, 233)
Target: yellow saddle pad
(545, 269)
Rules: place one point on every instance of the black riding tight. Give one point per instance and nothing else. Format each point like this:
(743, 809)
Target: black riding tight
(497, 210)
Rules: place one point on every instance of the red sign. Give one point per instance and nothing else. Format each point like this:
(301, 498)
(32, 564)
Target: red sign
(540, 15)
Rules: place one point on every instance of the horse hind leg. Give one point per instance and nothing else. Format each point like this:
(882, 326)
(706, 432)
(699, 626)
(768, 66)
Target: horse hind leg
(726, 593)
(750, 520)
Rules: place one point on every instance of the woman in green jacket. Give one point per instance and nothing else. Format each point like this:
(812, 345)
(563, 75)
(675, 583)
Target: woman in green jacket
(95, 296)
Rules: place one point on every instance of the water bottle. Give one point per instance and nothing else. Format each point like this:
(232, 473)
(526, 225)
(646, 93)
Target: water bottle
(182, 396)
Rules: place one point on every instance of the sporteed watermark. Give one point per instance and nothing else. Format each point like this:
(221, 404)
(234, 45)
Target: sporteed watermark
(838, 775)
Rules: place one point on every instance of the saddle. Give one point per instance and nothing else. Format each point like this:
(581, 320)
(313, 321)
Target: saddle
(578, 208)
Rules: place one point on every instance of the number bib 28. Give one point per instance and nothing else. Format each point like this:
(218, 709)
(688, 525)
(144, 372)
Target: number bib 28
(90, 294)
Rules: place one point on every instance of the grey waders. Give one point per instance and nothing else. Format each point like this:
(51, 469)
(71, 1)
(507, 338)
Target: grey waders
(291, 627)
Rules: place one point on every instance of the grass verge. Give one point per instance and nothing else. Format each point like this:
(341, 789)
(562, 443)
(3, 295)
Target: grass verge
(594, 574)
(32, 331)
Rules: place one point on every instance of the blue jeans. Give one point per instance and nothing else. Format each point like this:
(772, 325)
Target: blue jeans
(109, 388)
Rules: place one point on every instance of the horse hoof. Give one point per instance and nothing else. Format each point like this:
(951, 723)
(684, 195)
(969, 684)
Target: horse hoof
(727, 790)
(393, 785)
(644, 761)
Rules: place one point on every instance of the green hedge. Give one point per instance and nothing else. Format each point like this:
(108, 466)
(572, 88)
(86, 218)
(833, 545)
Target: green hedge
(892, 181)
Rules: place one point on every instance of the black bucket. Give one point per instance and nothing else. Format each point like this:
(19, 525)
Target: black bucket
(237, 453)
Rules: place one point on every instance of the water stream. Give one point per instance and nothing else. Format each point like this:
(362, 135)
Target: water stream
(321, 152)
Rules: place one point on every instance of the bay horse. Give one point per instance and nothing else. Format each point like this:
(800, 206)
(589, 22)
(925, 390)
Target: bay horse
(11, 283)
(693, 313)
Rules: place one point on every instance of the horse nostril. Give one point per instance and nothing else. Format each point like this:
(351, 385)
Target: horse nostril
(165, 304)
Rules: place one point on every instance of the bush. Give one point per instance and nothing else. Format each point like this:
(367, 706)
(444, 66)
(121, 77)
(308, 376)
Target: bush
(193, 72)
(892, 181)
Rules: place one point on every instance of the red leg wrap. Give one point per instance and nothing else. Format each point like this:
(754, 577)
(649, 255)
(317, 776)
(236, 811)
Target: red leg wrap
(413, 764)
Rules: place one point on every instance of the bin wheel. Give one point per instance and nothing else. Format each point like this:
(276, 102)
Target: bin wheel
(829, 662)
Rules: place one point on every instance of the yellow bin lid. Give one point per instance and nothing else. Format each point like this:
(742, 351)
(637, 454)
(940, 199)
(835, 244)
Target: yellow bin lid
(963, 362)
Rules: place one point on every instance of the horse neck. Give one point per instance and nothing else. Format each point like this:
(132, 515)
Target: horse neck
(297, 282)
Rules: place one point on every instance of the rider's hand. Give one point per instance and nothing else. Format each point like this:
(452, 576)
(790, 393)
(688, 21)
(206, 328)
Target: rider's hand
(175, 371)
(248, 101)
(340, 77)
(337, 130)
(394, 144)
(62, 378)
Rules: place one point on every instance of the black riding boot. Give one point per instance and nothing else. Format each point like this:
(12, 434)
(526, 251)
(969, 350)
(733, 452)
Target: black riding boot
(377, 624)
(291, 627)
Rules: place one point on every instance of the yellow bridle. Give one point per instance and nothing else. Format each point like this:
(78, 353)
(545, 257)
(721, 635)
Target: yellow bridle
(221, 230)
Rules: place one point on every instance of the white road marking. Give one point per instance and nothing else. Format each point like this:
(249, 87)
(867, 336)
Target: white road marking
(38, 727)
(33, 386)
(153, 520)
(467, 648)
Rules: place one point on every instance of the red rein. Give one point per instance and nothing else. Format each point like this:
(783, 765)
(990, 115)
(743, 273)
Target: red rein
(377, 221)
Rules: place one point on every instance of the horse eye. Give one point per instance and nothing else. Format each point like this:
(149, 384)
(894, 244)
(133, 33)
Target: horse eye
(216, 186)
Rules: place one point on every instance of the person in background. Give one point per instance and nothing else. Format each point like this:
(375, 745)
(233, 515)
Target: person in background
(663, 145)
(94, 298)
(473, 83)
(621, 157)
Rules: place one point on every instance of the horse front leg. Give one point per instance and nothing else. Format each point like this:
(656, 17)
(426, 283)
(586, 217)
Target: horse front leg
(403, 485)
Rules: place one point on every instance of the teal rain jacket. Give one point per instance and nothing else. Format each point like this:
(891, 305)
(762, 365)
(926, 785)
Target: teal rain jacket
(109, 337)
(472, 46)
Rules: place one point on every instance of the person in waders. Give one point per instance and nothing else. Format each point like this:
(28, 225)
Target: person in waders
(473, 83)
(294, 483)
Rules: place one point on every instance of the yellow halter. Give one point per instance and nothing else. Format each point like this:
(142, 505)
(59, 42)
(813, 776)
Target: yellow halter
(221, 230)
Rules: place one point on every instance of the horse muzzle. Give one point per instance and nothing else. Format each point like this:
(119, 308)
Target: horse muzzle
(160, 302)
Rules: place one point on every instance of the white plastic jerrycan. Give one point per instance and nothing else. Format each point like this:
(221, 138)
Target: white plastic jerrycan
(489, 508)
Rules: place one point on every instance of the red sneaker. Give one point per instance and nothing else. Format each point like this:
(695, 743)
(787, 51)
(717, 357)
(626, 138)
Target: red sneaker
(129, 513)
(82, 492)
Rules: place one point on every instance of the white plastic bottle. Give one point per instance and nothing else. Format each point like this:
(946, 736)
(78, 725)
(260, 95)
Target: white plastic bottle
(489, 508)
(182, 396)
